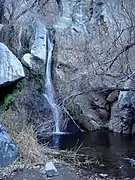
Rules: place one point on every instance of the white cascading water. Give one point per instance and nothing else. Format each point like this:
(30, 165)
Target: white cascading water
(49, 89)
(50, 94)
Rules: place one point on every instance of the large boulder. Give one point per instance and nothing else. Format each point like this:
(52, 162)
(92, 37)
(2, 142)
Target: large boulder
(32, 63)
(115, 124)
(8, 150)
(38, 48)
(122, 118)
(11, 68)
(126, 104)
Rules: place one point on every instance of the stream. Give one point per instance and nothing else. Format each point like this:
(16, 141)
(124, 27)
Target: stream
(108, 152)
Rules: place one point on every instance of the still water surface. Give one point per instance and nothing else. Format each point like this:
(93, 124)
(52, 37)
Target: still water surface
(110, 150)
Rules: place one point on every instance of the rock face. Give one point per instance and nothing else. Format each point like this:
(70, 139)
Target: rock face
(38, 48)
(127, 106)
(30, 105)
(89, 67)
(115, 124)
(10, 67)
(8, 150)
(92, 59)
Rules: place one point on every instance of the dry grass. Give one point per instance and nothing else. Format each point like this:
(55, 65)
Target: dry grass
(31, 152)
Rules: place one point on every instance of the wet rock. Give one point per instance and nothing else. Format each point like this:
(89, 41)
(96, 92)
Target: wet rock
(91, 113)
(113, 96)
(10, 67)
(115, 122)
(126, 103)
(132, 161)
(50, 169)
(8, 150)
(88, 123)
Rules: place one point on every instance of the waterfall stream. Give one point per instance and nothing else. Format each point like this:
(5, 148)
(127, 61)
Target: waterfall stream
(49, 89)
(50, 94)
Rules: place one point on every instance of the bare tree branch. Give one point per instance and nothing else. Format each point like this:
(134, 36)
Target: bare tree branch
(126, 48)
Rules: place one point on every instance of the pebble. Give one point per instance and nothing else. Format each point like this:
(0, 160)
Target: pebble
(103, 175)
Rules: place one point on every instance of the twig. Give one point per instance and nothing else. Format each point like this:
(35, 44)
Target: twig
(126, 48)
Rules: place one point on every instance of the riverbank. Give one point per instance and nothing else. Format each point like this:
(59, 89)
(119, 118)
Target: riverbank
(93, 155)
(65, 172)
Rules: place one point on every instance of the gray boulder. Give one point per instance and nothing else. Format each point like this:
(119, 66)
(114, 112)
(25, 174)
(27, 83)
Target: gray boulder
(126, 103)
(27, 60)
(8, 150)
(10, 67)
(31, 62)
(115, 124)
(38, 48)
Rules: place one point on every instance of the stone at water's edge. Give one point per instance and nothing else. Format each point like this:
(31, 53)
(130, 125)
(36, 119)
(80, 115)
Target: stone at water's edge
(8, 150)
(10, 67)
(50, 169)
(127, 106)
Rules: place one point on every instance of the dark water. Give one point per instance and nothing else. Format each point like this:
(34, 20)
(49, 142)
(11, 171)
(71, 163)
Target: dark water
(108, 150)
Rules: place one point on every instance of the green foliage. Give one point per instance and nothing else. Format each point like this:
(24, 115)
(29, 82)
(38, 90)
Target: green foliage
(20, 85)
(10, 97)
(2, 109)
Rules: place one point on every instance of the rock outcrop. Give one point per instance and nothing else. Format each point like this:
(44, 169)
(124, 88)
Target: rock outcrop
(11, 68)
(30, 105)
(38, 48)
(127, 106)
(93, 57)
(88, 62)
(8, 150)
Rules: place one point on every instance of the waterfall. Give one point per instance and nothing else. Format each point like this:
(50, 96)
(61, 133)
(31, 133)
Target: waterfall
(50, 94)
(49, 89)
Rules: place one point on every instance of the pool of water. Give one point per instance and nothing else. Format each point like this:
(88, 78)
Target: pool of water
(110, 150)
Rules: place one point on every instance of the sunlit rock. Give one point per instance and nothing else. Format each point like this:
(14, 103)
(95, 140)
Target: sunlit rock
(27, 60)
(38, 48)
(50, 169)
(10, 67)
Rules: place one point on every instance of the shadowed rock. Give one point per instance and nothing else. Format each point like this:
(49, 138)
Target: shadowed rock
(8, 150)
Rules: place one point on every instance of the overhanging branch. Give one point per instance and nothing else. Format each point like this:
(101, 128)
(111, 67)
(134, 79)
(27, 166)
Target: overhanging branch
(126, 48)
